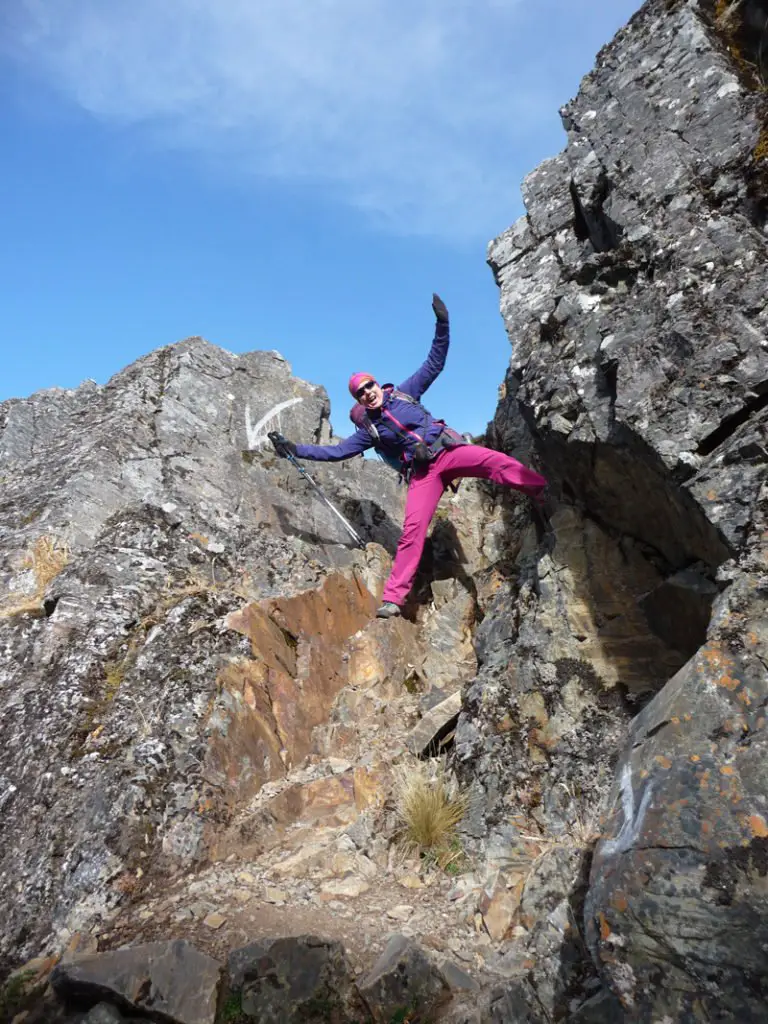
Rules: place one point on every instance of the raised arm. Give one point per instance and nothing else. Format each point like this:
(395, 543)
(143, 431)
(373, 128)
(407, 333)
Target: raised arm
(355, 444)
(418, 382)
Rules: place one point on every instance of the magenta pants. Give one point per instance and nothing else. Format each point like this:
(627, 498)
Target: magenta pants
(425, 490)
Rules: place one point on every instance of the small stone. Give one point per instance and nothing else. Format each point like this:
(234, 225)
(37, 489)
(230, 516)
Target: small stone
(246, 878)
(274, 895)
(214, 921)
(401, 912)
(350, 886)
(411, 882)
(499, 913)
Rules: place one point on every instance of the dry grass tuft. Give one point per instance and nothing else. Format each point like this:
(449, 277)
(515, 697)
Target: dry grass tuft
(46, 558)
(430, 806)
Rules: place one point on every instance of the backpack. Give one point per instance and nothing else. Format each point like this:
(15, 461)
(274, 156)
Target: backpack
(447, 438)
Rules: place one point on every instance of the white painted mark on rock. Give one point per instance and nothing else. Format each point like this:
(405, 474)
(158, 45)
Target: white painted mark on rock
(633, 821)
(257, 433)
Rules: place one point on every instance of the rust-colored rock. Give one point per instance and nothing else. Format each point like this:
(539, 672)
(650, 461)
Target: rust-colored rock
(297, 645)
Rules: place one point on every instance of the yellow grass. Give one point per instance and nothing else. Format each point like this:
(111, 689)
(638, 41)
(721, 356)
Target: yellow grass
(46, 557)
(430, 806)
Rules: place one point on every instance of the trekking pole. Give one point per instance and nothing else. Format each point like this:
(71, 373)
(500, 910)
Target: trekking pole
(278, 442)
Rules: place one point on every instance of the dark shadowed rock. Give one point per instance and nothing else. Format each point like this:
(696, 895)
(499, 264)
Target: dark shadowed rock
(602, 1008)
(425, 737)
(303, 980)
(171, 980)
(677, 908)
(514, 1004)
(404, 982)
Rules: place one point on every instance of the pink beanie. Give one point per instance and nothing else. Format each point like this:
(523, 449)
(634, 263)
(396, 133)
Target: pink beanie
(356, 380)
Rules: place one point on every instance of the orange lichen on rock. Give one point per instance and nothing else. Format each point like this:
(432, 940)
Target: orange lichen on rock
(758, 826)
(664, 761)
(715, 658)
(605, 928)
(620, 902)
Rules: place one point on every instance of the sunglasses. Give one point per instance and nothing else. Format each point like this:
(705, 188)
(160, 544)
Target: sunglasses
(368, 386)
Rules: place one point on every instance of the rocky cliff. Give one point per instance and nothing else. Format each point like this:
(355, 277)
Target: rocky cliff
(201, 720)
(205, 731)
(133, 718)
(633, 292)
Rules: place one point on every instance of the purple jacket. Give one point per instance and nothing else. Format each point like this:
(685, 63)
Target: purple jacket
(411, 417)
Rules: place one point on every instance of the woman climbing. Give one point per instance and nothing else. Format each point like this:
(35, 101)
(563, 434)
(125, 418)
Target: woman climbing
(428, 454)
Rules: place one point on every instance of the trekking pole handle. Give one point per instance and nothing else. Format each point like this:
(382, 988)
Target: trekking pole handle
(280, 443)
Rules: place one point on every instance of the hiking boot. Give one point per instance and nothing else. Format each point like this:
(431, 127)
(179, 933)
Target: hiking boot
(388, 610)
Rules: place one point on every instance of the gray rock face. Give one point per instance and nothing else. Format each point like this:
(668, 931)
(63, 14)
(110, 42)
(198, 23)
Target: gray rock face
(122, 690)
(633, 292)
(172, 980)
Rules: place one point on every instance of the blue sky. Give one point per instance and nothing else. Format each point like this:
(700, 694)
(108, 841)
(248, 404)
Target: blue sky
(296, 175)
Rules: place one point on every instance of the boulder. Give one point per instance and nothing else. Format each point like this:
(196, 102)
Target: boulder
(403, 982)
(302, 980)
(457, 977)
(172, 980)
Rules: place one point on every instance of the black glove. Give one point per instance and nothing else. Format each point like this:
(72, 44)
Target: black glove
(282, 445)
(440, 309)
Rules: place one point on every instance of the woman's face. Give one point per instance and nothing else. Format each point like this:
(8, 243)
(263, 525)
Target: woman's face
(369, 395)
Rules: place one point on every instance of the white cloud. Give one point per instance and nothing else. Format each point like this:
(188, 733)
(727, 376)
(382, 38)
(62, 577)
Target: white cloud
(412, 110)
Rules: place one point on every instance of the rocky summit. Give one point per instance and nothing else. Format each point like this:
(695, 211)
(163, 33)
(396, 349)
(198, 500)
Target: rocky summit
(215, 761)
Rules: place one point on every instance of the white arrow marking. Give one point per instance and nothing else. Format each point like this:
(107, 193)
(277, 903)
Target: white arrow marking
(254, 431)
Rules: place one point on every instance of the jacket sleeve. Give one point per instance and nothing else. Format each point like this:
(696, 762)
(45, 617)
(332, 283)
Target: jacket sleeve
(417, 383)
(355, 444)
